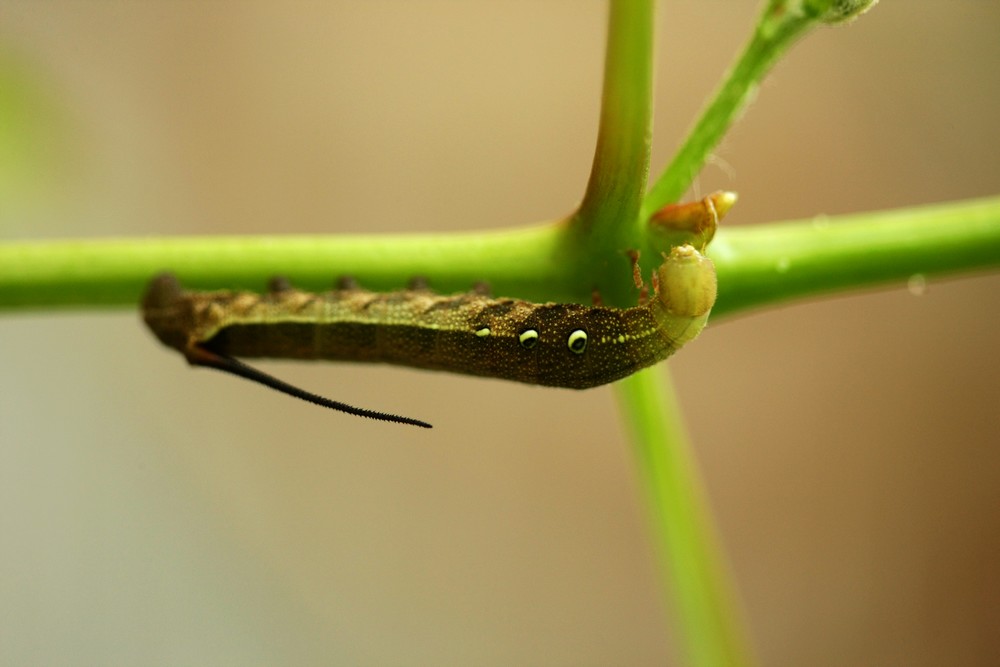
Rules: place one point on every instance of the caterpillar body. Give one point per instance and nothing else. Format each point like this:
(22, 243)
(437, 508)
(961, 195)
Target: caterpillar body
(553, 344)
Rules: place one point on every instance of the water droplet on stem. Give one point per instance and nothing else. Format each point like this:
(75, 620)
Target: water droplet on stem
(917, 284)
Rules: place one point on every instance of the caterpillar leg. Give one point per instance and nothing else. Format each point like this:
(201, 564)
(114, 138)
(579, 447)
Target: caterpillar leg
(279, 284)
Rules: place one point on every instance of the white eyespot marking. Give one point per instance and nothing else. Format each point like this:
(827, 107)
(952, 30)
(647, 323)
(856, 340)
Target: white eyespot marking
(577, 341)
(483, 333)
(528, 338)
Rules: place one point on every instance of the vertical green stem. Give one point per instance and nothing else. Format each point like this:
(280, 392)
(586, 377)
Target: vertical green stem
(698, 583)
(621, 160)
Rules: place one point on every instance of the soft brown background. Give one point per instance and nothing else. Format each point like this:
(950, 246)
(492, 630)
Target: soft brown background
(151, 514)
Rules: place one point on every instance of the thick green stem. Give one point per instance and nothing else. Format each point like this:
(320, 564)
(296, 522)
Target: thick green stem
(608, 222)
(757, 265)
(697, 581)
(767, 264)
(113, 272)
(610, 207)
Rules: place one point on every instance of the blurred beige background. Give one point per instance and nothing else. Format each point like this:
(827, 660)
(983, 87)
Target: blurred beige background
(151, 514)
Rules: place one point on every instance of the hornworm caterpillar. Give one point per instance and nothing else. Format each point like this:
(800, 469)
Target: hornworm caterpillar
(554, 344)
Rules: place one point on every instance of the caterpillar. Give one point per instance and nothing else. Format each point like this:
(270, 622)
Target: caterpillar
(553, 344)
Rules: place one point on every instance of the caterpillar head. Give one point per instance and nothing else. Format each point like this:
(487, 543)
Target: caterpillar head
(685, 294)
(687, 283)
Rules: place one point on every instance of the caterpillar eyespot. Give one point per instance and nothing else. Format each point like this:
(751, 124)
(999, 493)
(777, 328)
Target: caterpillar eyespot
(528, 338)
(577, 341)
(552, 344)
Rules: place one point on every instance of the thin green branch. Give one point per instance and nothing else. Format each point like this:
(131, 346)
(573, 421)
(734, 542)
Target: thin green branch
(768, 264)
(778, 27)
(698, 587)
(611, 203)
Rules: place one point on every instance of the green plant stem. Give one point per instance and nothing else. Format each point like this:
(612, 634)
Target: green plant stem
(757, 265)
(698, 584)
(775, 33)
(768, 264)
(113, 272)
(610, 207)
(607, 224)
